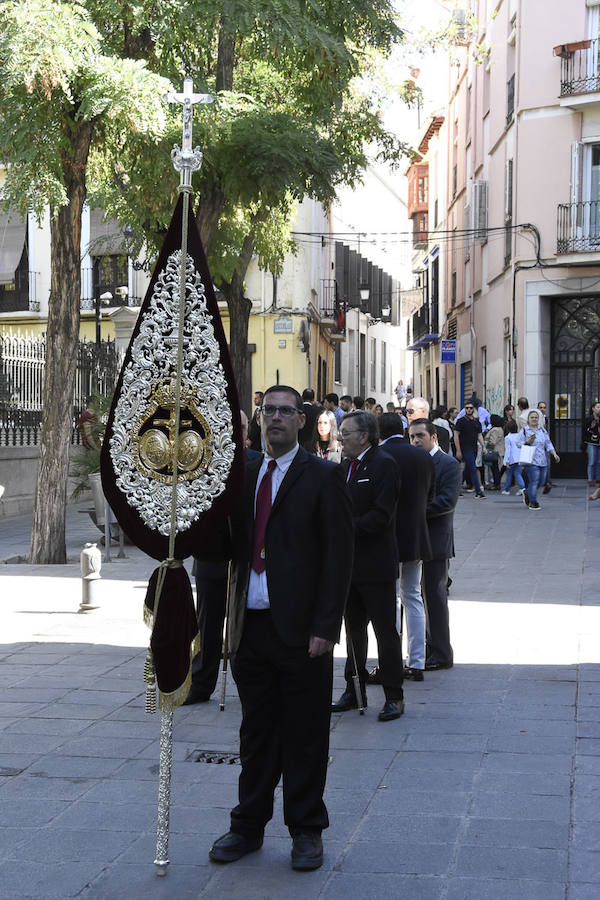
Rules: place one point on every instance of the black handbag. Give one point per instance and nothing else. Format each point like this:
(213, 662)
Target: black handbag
(490, 456)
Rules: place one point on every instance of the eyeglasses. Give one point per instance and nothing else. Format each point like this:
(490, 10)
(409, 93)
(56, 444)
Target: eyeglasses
(286, 412)
(413, 412)
(467, 408)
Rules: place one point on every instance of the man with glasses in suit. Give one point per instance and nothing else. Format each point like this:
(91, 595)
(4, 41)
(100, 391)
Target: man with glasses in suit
(287, 601)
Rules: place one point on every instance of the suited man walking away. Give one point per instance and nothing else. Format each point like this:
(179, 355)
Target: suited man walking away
(287, 601)
(440, 520)
(417, 490)
(373, 482)
(311, 413)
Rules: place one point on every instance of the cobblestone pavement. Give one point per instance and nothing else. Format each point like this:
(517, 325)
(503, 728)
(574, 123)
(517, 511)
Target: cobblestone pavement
(488, 786)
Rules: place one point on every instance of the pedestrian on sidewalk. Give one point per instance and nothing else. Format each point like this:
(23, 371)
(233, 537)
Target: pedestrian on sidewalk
(467, 437)
(440, 522)
(592, 445)
(373, 482)
(533, 435)
(511, 459)
(287, 600)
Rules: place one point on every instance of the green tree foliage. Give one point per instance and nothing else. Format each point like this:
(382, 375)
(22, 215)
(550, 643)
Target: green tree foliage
(61, 95)
(292, 118)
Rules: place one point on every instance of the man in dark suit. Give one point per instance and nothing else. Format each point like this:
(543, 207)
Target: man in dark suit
(253, 437)
(287, 601)
(373, 482)
(440, 520)
(311, 413)
(417, 490)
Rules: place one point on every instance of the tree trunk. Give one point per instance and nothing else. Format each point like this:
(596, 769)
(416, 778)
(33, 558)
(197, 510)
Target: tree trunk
(239, 312)
(208, 213)
(48, 530)
(212, 203)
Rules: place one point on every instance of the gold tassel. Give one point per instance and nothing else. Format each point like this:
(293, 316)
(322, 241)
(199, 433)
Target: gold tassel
(150, 680)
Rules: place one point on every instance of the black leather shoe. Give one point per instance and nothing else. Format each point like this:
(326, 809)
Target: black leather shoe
(307, 851)
(391, 709)
(232, 846)
(347, 701)
(196, 695)
(413, 674)
(374, 677)
(433, 665)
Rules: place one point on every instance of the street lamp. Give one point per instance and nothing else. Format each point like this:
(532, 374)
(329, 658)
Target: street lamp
(385, 311)
(105, 300)
(364, 292)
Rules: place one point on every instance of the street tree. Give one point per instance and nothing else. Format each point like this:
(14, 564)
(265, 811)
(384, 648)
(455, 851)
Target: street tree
(62, 95)
(294, 116)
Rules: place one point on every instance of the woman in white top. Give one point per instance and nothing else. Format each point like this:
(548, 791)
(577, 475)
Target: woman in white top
(537, 437)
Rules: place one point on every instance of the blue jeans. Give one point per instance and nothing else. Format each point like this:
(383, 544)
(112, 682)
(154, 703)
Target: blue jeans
(514, 471)
(469, 458)
(593, 455)
(534, 479)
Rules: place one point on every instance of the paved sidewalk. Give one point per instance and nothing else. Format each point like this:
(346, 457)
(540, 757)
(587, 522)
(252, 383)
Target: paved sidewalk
(487, 787)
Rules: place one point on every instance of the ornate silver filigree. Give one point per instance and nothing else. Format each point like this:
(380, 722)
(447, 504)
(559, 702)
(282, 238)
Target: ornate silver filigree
(153, 360)
(164, 791)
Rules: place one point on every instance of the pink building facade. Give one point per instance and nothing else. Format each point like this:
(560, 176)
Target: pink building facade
(521, 254)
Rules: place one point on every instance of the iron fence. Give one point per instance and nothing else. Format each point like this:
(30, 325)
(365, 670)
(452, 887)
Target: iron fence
(22, 368)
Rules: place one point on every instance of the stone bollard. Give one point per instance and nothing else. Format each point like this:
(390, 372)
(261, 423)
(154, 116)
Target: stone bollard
(91, 561)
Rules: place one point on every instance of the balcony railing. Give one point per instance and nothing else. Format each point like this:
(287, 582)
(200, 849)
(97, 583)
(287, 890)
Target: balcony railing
(580, 67)
(578, 227)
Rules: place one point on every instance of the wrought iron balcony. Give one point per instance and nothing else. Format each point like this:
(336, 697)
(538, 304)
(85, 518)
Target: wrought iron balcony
(580, 67)
(578, 227)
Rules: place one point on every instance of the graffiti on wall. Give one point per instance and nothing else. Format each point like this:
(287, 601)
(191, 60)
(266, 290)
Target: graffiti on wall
(494, 398)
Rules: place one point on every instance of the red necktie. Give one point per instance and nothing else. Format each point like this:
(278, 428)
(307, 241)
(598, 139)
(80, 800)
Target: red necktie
(352, 468)
(263, 510)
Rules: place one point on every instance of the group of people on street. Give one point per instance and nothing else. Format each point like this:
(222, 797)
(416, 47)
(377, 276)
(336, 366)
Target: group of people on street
(347, 515)
(352, 522)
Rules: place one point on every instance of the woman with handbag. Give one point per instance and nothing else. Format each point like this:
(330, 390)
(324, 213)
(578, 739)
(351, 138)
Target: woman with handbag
(533, 442)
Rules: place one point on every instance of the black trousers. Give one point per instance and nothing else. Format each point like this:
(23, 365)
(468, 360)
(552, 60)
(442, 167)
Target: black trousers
(435, 595)
(286, 711)
(375, 603)
(211, 599)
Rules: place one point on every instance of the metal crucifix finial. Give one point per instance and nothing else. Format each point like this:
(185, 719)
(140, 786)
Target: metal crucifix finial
(186, 160)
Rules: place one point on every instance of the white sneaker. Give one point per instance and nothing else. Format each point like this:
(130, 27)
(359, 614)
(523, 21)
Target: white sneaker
(506, 493)
(519, 493)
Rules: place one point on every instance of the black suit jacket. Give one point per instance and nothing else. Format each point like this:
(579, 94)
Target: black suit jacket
(374, 491)
(440, 513)
(417, 489)
(308, 550)
(305, 435)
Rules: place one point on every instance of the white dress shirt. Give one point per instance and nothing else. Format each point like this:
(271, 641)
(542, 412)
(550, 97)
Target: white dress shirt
(258, 591)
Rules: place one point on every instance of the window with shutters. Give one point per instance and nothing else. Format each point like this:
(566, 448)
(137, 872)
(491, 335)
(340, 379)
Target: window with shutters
(480, 211)
(467, 237)
(508, 211)
(579, 221)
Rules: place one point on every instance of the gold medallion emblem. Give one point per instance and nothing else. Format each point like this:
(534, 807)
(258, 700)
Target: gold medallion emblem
(153, 435)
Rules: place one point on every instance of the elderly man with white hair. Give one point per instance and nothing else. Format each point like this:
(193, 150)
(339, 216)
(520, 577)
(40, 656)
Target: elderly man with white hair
(418, 408)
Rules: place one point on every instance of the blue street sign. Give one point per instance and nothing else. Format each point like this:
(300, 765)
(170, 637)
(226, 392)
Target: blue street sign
(448, 351)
